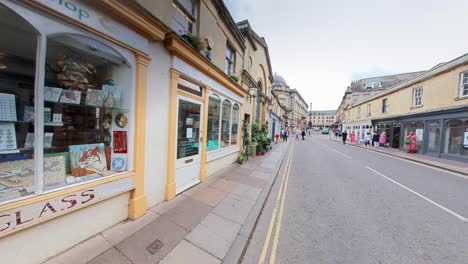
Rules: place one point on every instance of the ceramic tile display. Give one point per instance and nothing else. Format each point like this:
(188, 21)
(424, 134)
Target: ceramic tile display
(28, 114)
(29, 143)
(7, 107)
(120, 142)
(52, 94)
(94, 97)
(7, 137)
(87, 159)
(111, 95)
(119, 162)
(17, 177)
(70, 97)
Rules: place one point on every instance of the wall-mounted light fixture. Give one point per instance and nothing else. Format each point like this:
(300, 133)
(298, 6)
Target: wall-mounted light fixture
(252, 93)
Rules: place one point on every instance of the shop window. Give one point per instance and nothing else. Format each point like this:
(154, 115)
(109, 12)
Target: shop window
(87, 98)
(235, 124)
(17, 81)
(464, 84)
(456, 137)
(226, 124)
(417, 96)
(184, 16)
(214, 116)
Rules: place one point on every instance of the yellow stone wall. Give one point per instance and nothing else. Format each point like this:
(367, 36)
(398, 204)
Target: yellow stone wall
(208, 23)
(439, 92)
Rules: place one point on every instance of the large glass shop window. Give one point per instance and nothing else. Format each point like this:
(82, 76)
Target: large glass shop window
(456, 137)
(235, 124)
(87, 95)
(226, 124)
(214, 115)
(18, 44)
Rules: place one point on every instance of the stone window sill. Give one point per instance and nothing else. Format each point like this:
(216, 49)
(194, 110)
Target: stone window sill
(416, 107)
(460, 98)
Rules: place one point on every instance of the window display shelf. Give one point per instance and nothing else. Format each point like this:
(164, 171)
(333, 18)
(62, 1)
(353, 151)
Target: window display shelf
(30, 122)
(88, 106)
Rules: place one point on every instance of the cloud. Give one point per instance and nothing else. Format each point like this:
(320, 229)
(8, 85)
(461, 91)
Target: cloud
(374, 71)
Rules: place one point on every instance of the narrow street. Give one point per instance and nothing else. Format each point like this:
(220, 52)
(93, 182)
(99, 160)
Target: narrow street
(347, 205)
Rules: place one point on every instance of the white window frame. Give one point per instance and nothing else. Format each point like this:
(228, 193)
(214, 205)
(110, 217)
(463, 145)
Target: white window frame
(230, 62)
(232, 102)
(44, 34)
(463, 89)
(372, 85)
(385, 105)
(417, 97)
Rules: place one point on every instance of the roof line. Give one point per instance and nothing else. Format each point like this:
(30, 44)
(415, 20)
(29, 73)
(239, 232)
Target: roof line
(463, 59)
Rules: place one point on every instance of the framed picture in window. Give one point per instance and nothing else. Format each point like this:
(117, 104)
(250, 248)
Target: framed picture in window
(70, 97)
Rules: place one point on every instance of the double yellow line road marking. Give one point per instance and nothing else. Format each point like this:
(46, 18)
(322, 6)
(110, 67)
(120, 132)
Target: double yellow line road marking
(277, 215)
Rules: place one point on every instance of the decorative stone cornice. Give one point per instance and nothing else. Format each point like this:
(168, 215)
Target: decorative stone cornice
(183, 50)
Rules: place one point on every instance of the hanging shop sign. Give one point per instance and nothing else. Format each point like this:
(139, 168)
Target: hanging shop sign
(86, 14)
(35, 213)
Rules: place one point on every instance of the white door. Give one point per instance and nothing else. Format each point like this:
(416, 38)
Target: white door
(188, 144)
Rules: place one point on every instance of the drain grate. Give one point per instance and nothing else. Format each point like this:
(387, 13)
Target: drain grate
(155, 246)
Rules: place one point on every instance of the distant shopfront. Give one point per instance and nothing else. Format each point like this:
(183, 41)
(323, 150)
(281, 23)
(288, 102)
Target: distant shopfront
(441, 134)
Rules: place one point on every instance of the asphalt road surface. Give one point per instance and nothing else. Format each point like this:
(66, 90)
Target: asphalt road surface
(347, 205)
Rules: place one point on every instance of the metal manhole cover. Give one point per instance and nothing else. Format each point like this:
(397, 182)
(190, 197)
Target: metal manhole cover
(155, 246)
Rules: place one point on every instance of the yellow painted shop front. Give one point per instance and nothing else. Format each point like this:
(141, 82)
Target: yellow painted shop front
(73, 85)
(204, 119)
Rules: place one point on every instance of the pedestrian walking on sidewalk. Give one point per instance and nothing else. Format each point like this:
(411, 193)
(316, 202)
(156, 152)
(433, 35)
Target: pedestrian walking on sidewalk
(276, 138)
(383, 139)
(303, 134)
(367, 139)
(337, 132)
(297, 134)
(285, 135)
(344, 135)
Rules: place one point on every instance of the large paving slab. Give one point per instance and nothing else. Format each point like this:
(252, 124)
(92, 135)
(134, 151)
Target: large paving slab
(110, 256)
(224, 185)
(125, 229)
(188, 253)
(188, 214)
(138, 246)
(83, 252)
(234, 209)
(209, 196)
(214, 235)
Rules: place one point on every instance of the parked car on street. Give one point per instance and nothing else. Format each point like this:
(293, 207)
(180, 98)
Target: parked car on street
(325, 130)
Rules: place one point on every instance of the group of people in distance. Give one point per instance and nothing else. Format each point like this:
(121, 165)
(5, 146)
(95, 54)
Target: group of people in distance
(382, 139)
(285, 133)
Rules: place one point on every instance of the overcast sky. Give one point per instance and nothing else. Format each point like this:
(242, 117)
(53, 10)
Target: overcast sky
(320, 46)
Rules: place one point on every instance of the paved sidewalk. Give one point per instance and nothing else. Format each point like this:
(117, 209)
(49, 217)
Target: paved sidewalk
(209, 223)
(450, 165)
